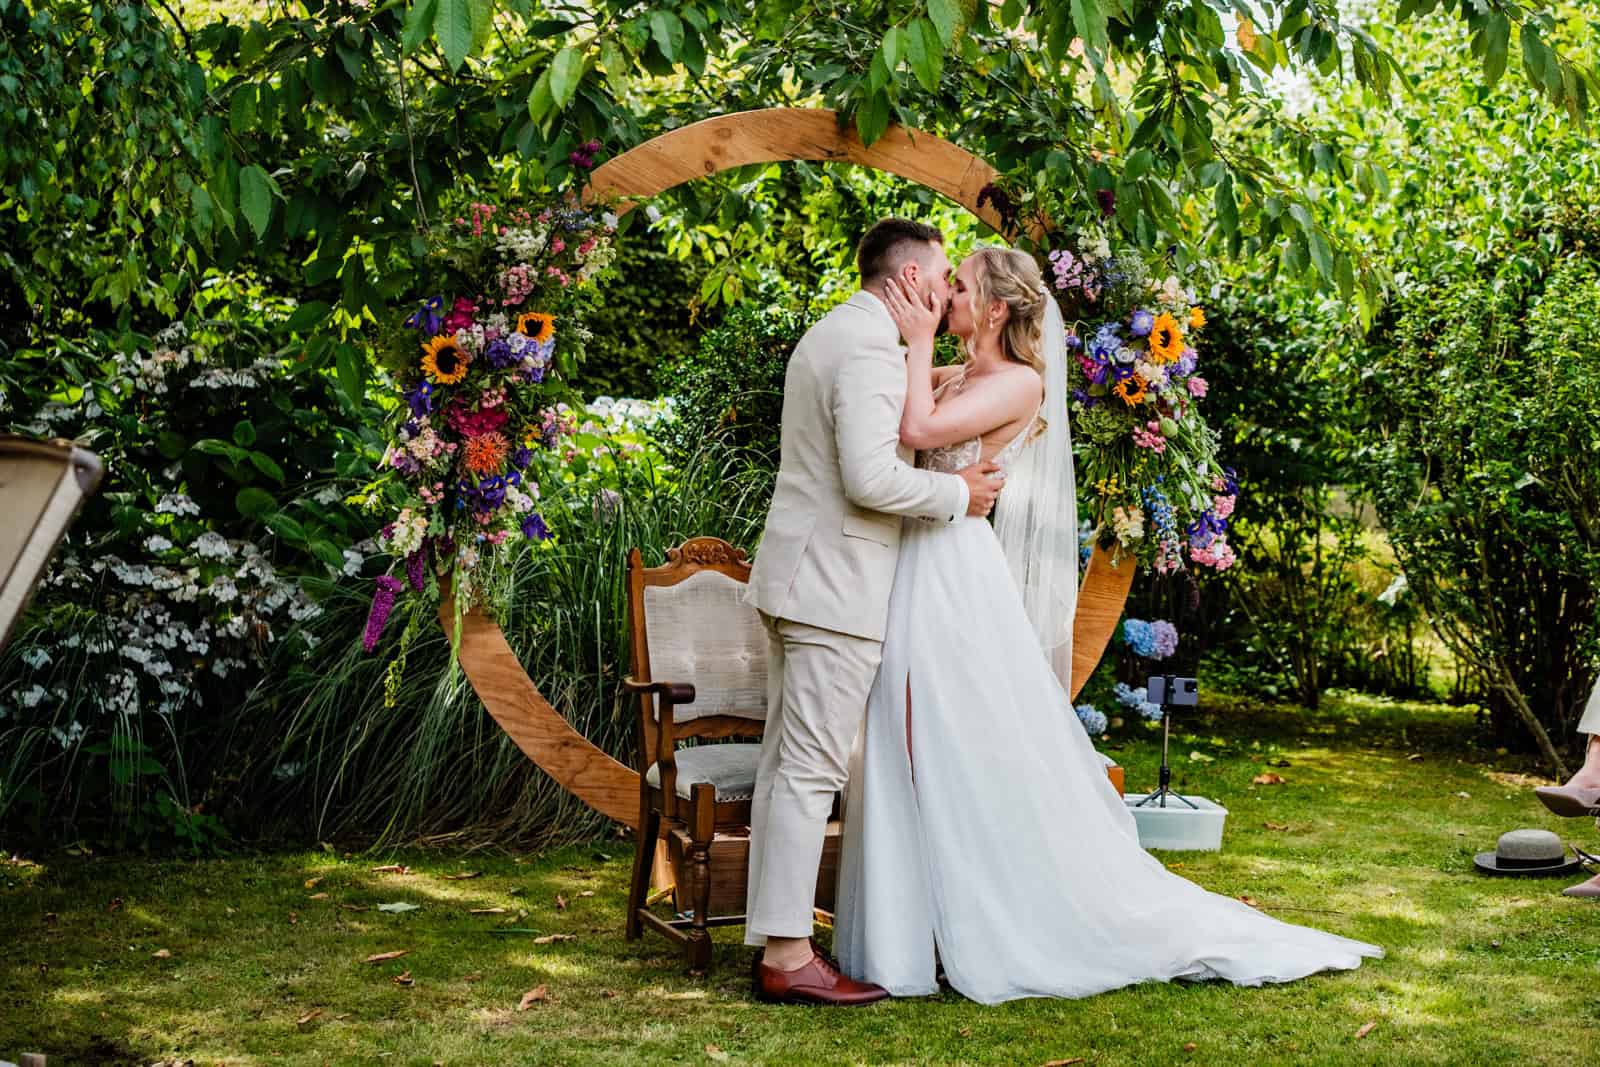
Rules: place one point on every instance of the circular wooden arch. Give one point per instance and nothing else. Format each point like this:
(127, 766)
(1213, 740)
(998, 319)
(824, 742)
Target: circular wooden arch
(697, 151)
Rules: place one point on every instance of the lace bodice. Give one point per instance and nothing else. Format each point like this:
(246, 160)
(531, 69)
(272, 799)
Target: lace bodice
(948, 459)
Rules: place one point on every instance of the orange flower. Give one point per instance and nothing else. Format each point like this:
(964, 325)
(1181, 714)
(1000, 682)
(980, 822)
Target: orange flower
(1197, 318)
(1166, 339)
(444, 360)
(537, 325)
(1131, 389)
(486, 454)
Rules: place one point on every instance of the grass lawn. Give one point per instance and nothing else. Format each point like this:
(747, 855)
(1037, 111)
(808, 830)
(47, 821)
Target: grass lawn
(260, 959)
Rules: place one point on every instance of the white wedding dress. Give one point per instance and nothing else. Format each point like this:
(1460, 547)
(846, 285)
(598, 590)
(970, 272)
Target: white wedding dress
(1009, 850)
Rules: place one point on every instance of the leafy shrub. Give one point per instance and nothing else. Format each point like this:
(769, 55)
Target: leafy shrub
(731, 389)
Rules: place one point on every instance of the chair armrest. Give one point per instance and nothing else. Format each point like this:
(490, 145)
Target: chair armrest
(673, 693)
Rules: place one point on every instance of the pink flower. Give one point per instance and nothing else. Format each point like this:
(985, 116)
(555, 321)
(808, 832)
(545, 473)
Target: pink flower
(1222, 506)
(1149, 436)
(558, 246)
(460, 316)
(1197, 386)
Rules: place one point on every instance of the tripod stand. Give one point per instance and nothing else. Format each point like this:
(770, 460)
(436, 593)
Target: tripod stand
(1164, 789)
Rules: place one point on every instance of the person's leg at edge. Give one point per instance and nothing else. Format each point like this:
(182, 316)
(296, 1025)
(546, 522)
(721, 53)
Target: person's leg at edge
(826, 678)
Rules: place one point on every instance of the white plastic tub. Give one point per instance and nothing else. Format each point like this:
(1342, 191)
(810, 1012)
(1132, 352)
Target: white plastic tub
(1177, 826)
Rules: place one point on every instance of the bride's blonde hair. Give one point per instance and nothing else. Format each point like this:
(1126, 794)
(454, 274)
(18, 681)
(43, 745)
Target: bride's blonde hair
(1013, 277)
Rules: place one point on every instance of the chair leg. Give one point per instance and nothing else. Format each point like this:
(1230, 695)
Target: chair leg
(702, 832)
(643, 858)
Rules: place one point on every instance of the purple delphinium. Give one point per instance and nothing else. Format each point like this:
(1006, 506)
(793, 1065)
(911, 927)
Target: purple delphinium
(498, 353)
(521, 457)
(382, 604)
(417, 567)
(534, 529)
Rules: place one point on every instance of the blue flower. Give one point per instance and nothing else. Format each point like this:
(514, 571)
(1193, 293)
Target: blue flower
(521, 457)
(534, 529)
(1127, 696)
(1141, 323)
(1094, 721)
(1106, 343)
(1140, 637)
(1150, 711)
(426, 318)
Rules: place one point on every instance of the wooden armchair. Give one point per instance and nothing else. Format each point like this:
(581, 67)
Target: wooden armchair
(699, 671)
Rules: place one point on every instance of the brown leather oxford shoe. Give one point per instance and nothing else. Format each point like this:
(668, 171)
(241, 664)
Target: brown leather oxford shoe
(818, 982)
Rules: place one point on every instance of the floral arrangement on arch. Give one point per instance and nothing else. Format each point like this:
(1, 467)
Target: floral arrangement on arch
(1145, 454)
(473, 362)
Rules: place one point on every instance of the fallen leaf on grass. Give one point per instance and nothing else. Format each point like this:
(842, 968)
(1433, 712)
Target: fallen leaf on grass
(355, 907)
(294, 917)
(318, 896)
(312, 883)
(517, 892)
(561, 902)
(1201, 757)
(1269, 778)
(587, 893)
(1366, 1029)
(308, 1017)
(115, 905)
(1065, 1063)
(608, 993)
(550, 939)
(379, 957)
(392, 868)
(716, 1053)
(536, 995)
(1276, 825)
(475, 976)
(403, 978)
(161, 954)
(1250, 900)
(1414, 757)
(1190, 1047)
(1464, 796)
(399, 906)
(463, 876)
(487, 911)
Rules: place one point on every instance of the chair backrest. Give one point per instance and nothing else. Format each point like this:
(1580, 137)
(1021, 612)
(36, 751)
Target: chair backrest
(42, 483)
(690, 623)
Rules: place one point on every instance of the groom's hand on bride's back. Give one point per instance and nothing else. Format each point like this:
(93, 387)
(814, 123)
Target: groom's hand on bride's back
(984, 482)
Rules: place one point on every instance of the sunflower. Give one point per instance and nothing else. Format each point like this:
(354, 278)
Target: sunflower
(486, 453)
(1131, 389)
(537, 325)
(445, 361)
(1197, 318)
(1166, 340)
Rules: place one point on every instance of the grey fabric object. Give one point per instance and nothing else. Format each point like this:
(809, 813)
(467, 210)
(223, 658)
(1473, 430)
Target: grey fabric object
(731, 770)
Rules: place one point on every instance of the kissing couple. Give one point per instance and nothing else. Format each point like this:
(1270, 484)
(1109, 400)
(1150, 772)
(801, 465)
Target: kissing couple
(920, 656)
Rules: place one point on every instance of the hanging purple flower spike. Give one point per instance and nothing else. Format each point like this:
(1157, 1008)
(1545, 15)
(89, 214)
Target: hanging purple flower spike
(417, 567)
(382, 605)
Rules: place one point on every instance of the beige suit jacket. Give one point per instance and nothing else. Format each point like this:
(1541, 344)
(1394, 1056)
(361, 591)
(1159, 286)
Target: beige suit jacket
(832, 538)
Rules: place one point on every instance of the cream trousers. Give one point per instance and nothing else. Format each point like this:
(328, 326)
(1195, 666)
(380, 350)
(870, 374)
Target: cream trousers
(1590, 723)
(817, 686)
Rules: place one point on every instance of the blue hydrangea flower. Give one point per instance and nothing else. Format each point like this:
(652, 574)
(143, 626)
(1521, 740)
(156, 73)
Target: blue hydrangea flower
(1150, 711)
(1128, 696)
(1094, 721)
(1106, 342)
(1140, 637)
(1142, 323)
(1166, 638)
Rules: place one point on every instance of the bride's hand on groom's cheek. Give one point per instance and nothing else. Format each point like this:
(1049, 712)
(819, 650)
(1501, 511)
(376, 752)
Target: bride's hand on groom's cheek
(916, 316)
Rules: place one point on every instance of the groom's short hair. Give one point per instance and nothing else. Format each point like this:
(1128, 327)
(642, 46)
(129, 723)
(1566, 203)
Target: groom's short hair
(889, 244)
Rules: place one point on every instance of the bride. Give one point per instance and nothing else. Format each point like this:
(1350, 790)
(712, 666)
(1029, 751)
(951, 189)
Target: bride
(980, 823)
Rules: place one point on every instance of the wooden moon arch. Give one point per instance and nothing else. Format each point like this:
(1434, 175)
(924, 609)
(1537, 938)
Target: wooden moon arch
(697, 151)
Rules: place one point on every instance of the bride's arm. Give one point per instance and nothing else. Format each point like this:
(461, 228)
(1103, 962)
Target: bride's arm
(977, 410)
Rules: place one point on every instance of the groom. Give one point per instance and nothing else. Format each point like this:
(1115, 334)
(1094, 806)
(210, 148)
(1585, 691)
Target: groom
(821, 582)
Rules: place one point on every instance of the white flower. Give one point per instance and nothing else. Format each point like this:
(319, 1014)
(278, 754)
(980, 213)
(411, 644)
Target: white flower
(327, 495)
(222, 589)
(36, 657)
(70, 736)
(352, 563)
(176, 504)
(652, 213)
(212, 545)
(285, 771)
(156, 543)
(31, 697)
(610, 219)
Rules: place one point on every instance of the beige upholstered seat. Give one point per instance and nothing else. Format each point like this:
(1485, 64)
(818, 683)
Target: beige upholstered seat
(730, 769)
(42, 483)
